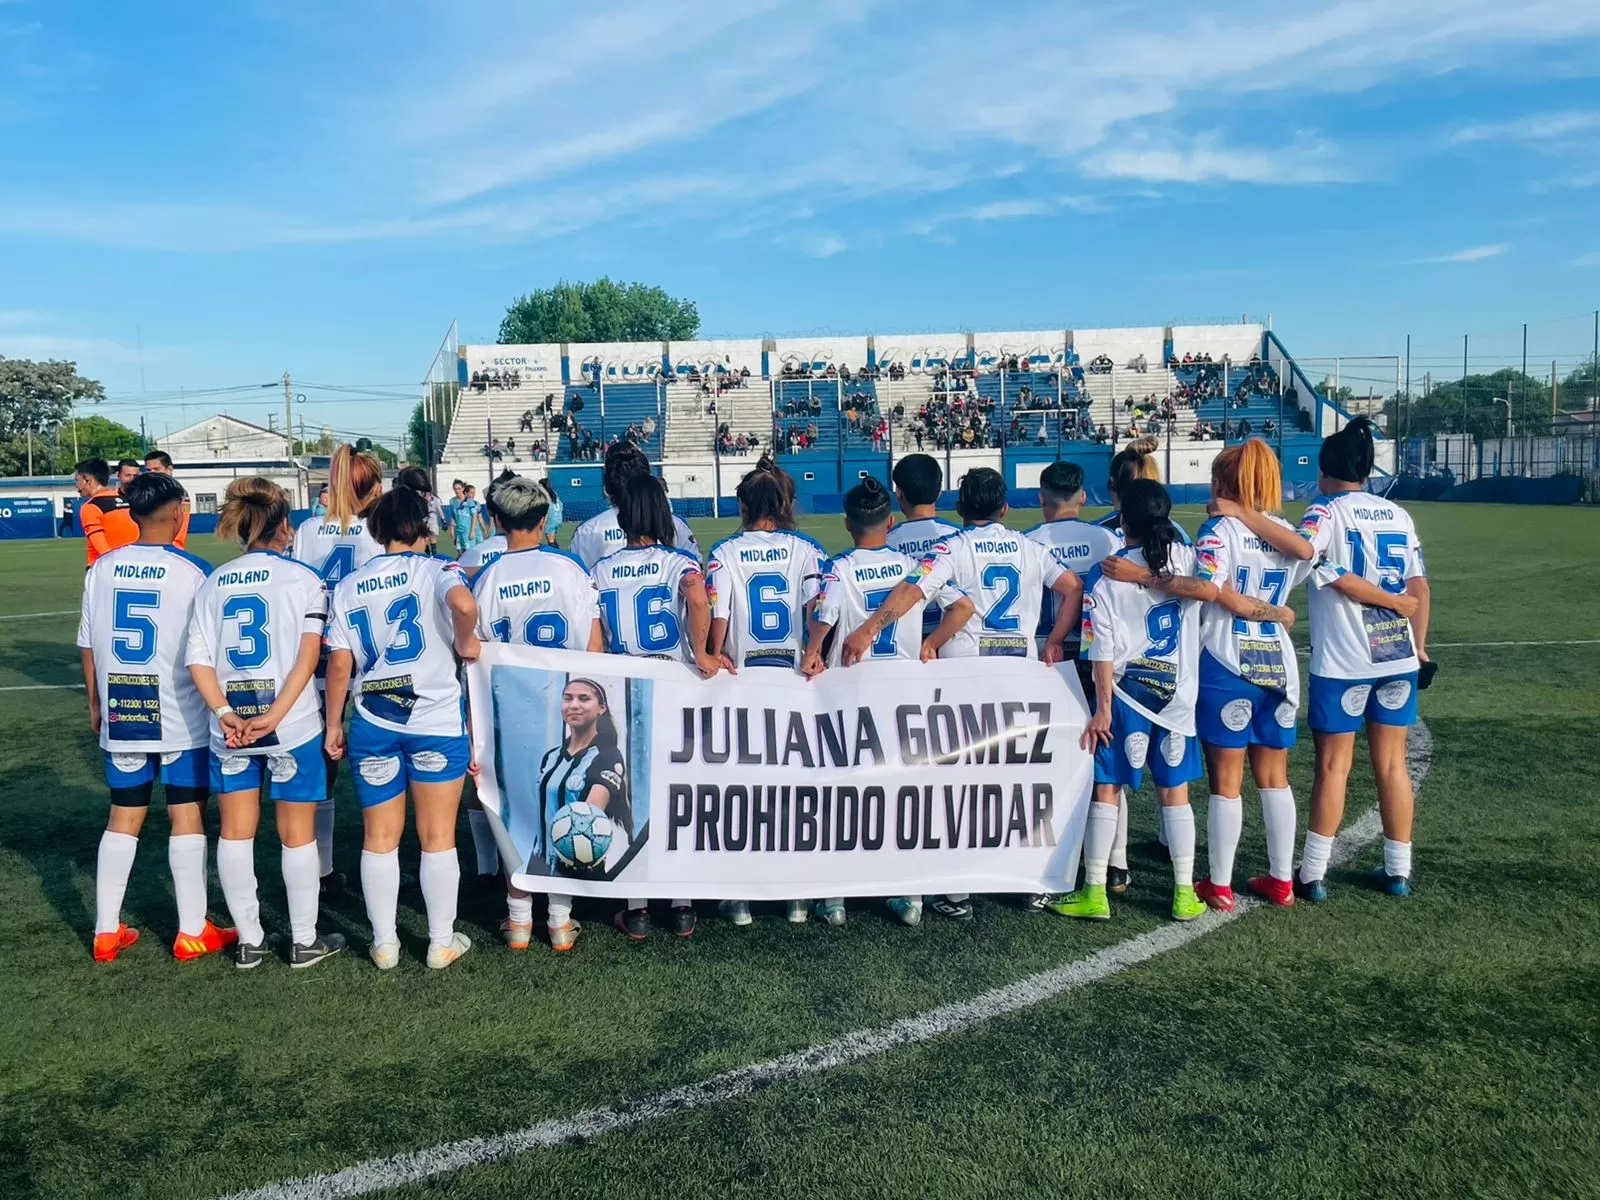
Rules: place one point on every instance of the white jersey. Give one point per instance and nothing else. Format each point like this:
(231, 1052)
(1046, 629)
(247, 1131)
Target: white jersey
(641, 601)
(1151, 639)
(391, 616)
(540, 596)
(137, 605)
(475, 558)
(600, 535)
(1004, 573)
(1357, 533)
(854, 584)
(914, 539)
(1078, 546)
(332, 552)
(760, 582)
(249, 617)
(1259, 652)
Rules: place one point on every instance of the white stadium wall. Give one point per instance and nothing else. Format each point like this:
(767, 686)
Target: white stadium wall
(1122, 345)
(531, 362)
(622, 360)
(831, 351)
(989, 347)
(915, 351)
(1238, 342)
(730, 354)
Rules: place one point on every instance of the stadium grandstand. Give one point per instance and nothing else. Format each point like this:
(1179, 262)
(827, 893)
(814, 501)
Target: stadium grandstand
(834, 410)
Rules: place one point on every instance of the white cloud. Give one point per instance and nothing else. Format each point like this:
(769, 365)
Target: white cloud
(1536, 129)
(1208, 160)
(503, 122)
(86, 350)
(1467, 255)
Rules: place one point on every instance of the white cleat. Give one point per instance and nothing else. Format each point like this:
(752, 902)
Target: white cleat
(799, 912)
(737, 911)
(440, 957)
(385, 956)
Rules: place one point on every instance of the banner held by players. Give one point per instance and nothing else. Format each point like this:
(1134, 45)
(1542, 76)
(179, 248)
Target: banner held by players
(613, 776)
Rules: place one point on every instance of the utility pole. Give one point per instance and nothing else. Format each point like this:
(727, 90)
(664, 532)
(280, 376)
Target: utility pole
(1463, 382)
(1405, 396)
(288, 413)
(1522, 384)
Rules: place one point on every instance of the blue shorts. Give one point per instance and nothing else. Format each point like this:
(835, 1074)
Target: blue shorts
(385, 762)
(1345, 705)
(176, 768)
(1175, 761)
(1234, 713)
(296, 775)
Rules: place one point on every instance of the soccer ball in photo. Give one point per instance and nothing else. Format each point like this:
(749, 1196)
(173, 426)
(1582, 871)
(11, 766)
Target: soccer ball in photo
(581, 835)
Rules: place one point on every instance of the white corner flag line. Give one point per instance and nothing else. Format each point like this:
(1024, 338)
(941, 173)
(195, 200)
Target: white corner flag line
(381, 1174)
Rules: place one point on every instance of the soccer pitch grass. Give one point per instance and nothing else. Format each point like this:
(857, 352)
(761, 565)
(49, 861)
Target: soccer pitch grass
(1444, 1045)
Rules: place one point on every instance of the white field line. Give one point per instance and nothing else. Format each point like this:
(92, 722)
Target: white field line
(65, 612)
(43, 687)
(381, 1174)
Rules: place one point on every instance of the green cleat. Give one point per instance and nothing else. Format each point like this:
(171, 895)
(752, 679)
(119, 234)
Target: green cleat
(1088, 903)
(1186, 905)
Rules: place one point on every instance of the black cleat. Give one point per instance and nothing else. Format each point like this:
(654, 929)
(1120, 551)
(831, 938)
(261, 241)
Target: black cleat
(1118, 879)
(953, 910)
(326, 946)
(247, 957)
(1157, 850)
(332, 887)
(683, 921)
(633, 923)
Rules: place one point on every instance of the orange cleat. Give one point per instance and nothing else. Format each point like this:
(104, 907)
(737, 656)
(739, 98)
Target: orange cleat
(208, 941)
(108, 945)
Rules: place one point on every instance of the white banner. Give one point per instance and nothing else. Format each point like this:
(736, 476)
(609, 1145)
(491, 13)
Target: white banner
(614, 776)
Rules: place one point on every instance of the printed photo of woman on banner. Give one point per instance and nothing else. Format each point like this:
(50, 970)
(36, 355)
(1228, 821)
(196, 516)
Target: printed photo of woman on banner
(569, 776)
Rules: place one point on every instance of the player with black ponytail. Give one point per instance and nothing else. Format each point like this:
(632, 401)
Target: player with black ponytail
(853, 585)
(1370, 605)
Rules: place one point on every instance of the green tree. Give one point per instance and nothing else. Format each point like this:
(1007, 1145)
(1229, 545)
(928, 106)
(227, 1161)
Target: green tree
(602, 311)
(425, 439)
(53, 452)
(38, 396)
(1452, 407)
(1578, 388)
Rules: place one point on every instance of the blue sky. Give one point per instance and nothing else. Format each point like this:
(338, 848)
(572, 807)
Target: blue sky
(200, 195)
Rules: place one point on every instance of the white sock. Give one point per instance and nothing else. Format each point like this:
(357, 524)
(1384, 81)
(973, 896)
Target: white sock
(1397, 858)
(1161, 832)
(520, 909)
(440, 877)
(560, 910)
(1224, 824)
(1314, 858)
(1277, 819)
(1119, 844)
(380, 884)
(186, 857)
(236, 871)
(111, 873)
(302, 869)
(1098, 835)
(632, 903)
(1177, 822)
(682, 903)
(958, 897)
(324, 828)
(483, 842)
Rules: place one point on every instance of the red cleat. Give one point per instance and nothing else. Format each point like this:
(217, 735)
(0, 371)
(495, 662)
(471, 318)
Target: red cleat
(108, 945)
(1274, 891)
(209, 940)
(1216, 895)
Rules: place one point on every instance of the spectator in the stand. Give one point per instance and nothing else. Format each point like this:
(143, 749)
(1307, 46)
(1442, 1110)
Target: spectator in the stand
(648, 428)
(1139, 363)
(1269, 427)
(525, 424)
(511, 448)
